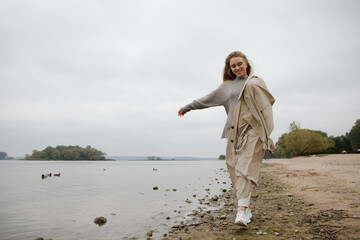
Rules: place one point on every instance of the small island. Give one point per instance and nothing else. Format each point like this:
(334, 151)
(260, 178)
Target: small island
(72, 153)
(4, 156)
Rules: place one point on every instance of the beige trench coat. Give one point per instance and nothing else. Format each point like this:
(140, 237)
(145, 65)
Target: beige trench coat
(252, 125)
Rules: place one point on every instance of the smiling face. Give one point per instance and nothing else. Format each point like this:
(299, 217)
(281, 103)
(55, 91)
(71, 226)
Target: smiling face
(238, 67)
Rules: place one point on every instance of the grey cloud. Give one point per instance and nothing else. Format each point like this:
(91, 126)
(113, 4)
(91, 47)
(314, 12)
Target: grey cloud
(113, 74)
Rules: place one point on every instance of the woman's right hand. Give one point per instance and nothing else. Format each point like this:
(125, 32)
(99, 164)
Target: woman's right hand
(180, 113)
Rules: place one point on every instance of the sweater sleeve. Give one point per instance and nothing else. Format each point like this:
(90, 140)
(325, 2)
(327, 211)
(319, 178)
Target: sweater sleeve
(217, 97)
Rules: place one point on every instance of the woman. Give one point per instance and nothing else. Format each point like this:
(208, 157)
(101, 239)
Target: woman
(248, 104)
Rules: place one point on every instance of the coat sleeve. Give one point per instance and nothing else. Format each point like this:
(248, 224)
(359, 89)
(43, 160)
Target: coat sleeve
(268, 119)
(262, 109)
(265, 101)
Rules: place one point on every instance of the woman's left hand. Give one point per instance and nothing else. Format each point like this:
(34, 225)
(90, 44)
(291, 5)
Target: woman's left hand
(180, 113)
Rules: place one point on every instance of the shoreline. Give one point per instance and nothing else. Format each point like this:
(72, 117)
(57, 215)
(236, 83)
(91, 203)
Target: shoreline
(280, 210)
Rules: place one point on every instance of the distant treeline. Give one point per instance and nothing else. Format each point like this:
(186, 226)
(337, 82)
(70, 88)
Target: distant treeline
(4, 156)
(67, 153)
(302, 142)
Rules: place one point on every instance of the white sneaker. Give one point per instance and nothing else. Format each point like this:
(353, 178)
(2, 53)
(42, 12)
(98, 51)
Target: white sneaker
(242, 218)
(248, 214)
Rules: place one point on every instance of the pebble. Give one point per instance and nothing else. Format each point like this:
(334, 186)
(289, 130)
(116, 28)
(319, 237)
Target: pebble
(276, 233)
(100, 221)
(259, 233)
(214, 199)
(216, 229)
(150, 233)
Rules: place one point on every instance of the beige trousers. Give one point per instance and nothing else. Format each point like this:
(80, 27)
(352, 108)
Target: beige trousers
(246, 162)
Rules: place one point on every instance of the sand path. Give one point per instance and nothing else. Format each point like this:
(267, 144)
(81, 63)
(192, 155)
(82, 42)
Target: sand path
(331, 181)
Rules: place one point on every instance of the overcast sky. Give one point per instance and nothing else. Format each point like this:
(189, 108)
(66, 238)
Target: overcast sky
(113, 74)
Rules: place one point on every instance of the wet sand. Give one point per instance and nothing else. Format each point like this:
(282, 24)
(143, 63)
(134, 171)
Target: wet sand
(315, 197)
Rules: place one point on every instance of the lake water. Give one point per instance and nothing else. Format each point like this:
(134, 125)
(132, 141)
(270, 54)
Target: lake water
(122, 191)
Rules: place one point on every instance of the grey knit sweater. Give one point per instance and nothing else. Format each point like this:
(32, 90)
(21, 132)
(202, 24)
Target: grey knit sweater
(227, 95)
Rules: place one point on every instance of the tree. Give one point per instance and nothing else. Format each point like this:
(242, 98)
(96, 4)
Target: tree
(354, 135)
(38, 155)
(222, 157)
(152, 158)
(3, 155)
(341, 143)
(51, 153)
(280, 147)
(71, 154)
(298, 142)
(294, 126)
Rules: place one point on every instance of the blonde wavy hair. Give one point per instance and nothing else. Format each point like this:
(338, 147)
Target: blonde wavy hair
(228, 74)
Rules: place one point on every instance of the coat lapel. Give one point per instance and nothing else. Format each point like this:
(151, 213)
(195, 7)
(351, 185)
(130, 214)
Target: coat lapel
(246, 82)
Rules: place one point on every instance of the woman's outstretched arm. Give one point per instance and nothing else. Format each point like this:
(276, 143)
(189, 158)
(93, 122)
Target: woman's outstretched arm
(215, 98)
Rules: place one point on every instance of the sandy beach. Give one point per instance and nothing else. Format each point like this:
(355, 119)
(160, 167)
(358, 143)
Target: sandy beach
(316, 197)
